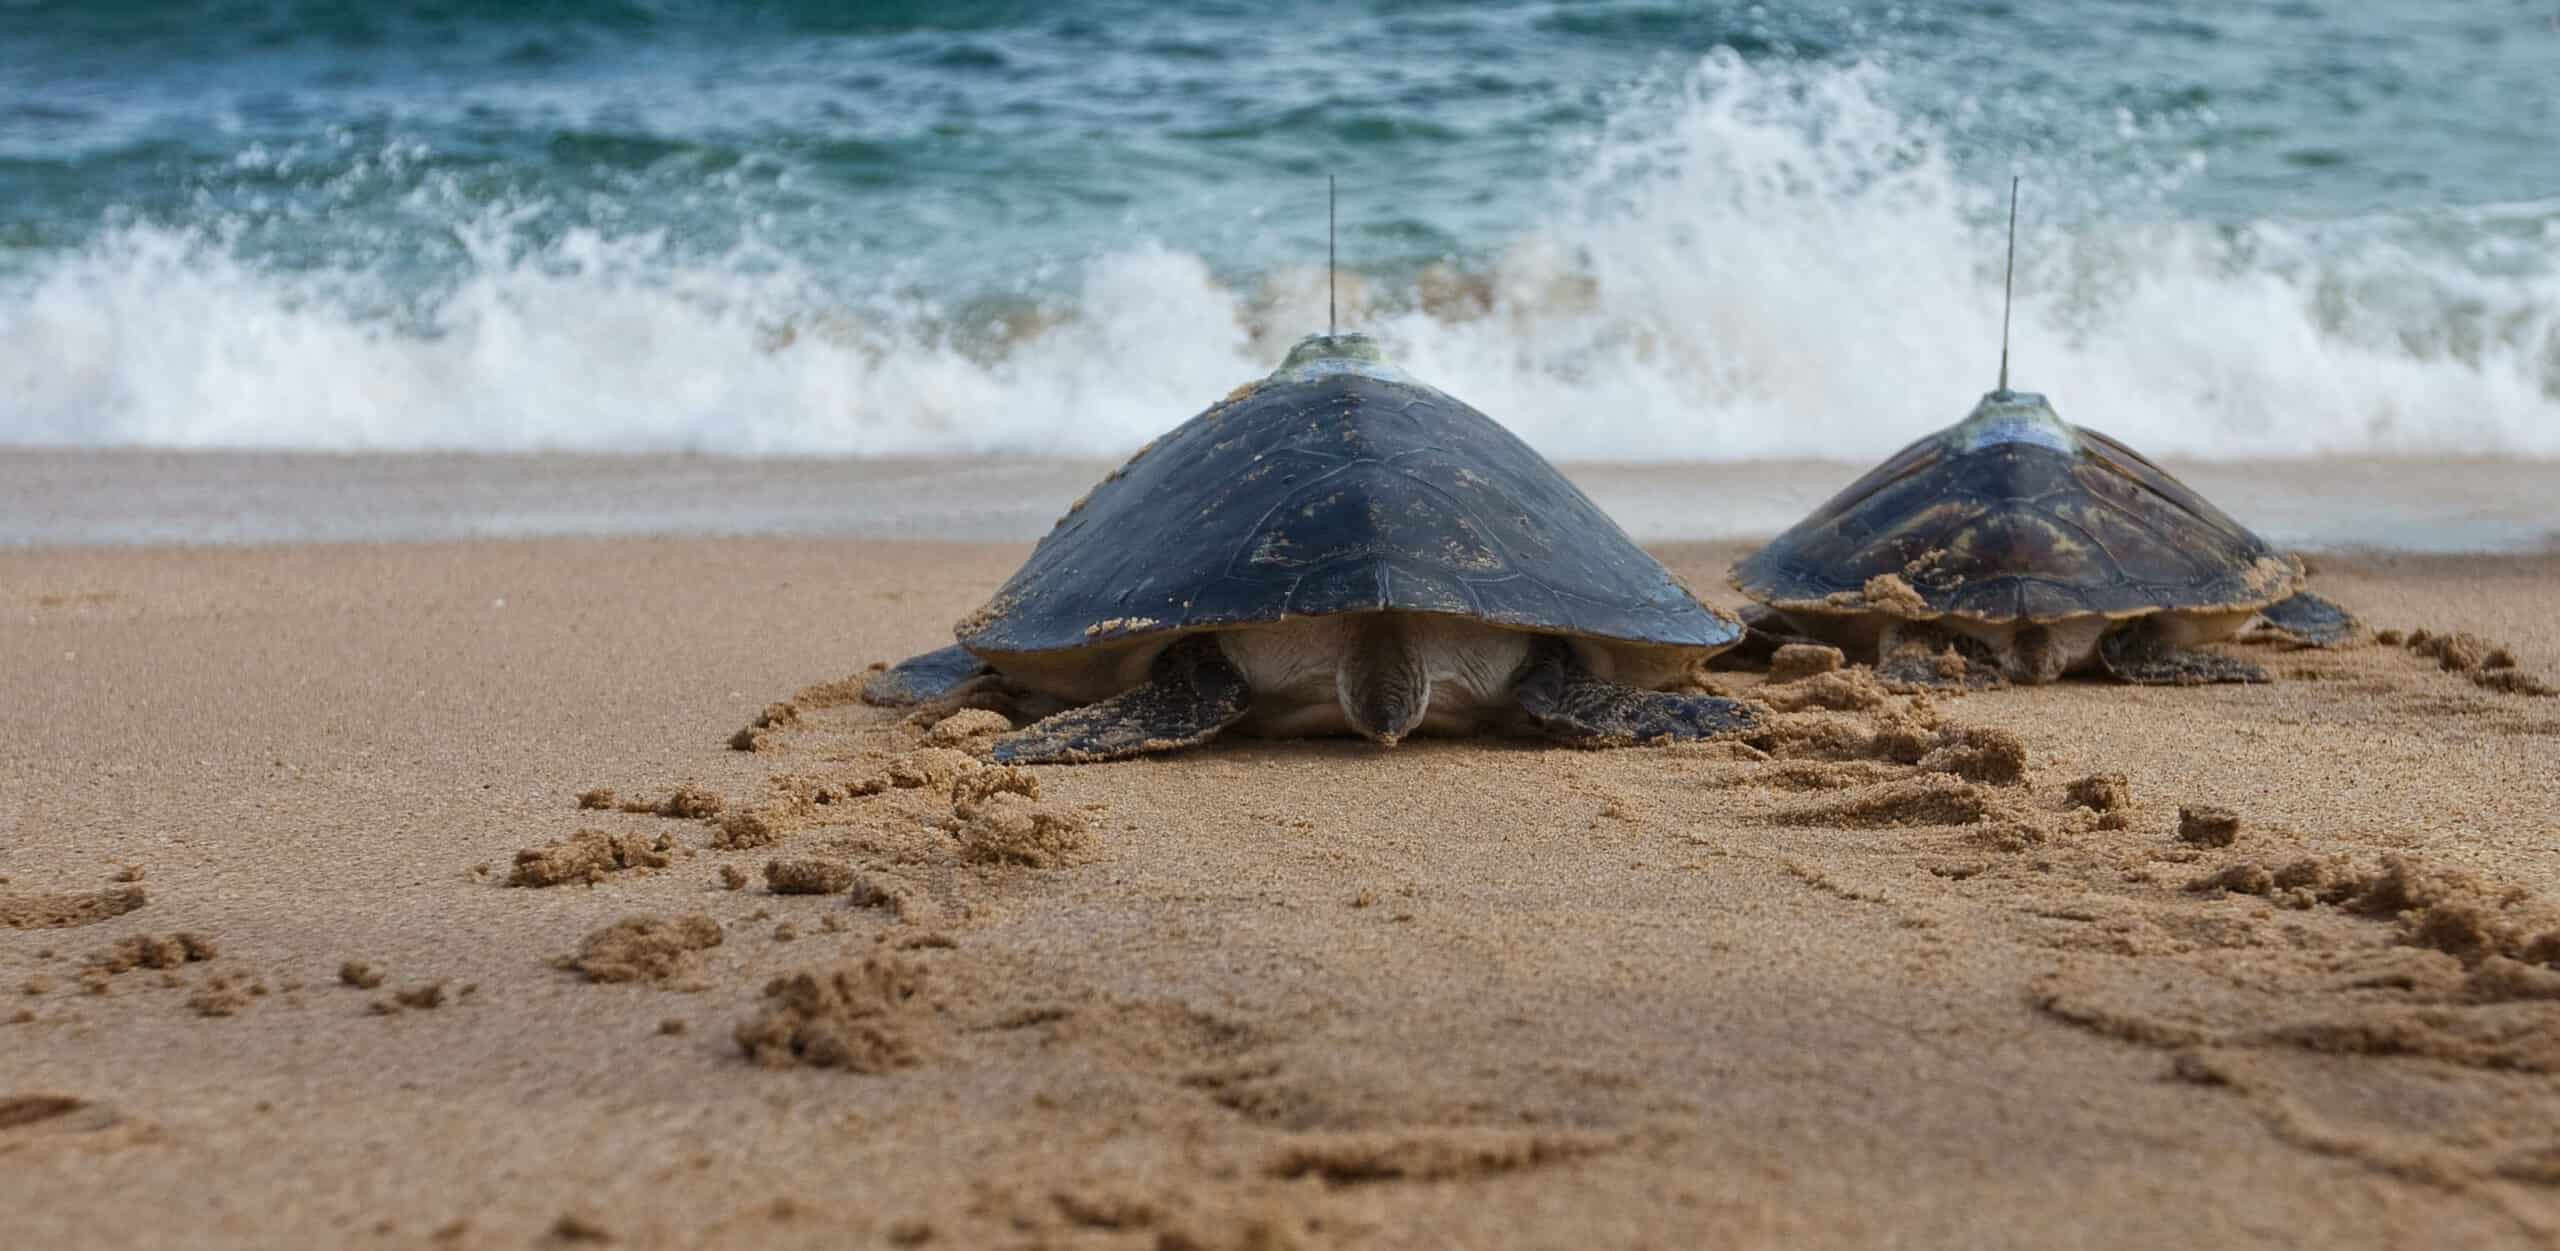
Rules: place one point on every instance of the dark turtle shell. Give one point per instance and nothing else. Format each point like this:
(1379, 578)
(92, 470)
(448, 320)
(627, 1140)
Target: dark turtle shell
(1337, 485)
(2015, 515)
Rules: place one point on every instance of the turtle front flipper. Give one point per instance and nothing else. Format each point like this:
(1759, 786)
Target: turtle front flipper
(2310, 620)
(2140, 656)
(1915, 653)
(919, 678)
(1190, 694)
(1572, 704)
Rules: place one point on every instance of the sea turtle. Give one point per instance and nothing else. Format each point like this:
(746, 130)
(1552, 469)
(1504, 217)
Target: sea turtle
(2032, 548)
(1335, 548)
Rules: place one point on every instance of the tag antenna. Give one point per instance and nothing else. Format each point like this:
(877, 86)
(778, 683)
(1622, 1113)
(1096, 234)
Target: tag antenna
(1328, 255)
(2008, 283)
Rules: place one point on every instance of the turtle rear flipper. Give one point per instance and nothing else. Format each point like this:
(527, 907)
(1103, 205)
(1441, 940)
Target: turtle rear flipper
(2309, 619)
(1190, 694)
(1912, 653)
(1572, 704)
(1763, 633)
(2137, 655)
(919, 678)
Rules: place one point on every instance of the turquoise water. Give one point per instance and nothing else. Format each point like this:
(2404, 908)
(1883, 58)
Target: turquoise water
(1632, 231)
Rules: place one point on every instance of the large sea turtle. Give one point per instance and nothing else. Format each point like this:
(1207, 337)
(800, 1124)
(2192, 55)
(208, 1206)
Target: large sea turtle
(1335, 548)
(2031, 547)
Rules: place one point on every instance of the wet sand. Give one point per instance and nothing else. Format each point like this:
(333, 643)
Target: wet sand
(1879, 980)
(90, 496)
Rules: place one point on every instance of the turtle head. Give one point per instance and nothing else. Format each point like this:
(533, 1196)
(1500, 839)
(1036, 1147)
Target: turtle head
(2006, 416)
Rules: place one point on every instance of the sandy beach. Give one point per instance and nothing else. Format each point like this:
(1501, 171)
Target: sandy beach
(283, 969)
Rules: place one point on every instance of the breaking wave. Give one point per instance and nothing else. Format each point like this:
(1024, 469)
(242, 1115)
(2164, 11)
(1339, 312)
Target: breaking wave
(1745, 262)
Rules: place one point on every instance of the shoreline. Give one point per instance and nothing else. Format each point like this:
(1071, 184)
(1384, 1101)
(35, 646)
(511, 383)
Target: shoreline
(86, 497)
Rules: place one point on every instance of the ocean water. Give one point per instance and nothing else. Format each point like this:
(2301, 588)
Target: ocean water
(1632, 231)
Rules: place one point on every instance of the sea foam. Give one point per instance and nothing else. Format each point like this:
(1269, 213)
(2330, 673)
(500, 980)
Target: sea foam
(1746, 262)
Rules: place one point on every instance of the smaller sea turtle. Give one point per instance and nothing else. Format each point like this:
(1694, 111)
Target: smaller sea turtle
(1337, 548)
(2031, 548)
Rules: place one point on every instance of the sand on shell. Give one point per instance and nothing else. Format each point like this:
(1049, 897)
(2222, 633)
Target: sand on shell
(1898, 971)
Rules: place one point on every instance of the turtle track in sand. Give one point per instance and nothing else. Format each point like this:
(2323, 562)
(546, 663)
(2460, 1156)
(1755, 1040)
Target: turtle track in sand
(2331, 993)
(2301, 994)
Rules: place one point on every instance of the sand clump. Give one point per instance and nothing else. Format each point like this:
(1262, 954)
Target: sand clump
(858, 1016)
(2514, 682)
(688, 802)
(2485, 662)
(359, 974)
(650, 950)
(1007, 828)
(1900, 767)
(1847, 690)
(2461, 652)
(994, 810)
(973, 790)
(801, 802)
(2101, 792)
(2248, 878)
(2449, 910)
(588, 857)
(1886, 592)
(746, 829)
(56, 910)
(1912, 736)
(807, 877)
(2107, 797)
(1901, 736)
(147, 951)
(2208, 826)
(1978, 754)
(835, 694)
(759, 734)
(1794, 662)
(423, 997)
(796, 803)
(905, 900)
(968, 727)
(929, 768)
